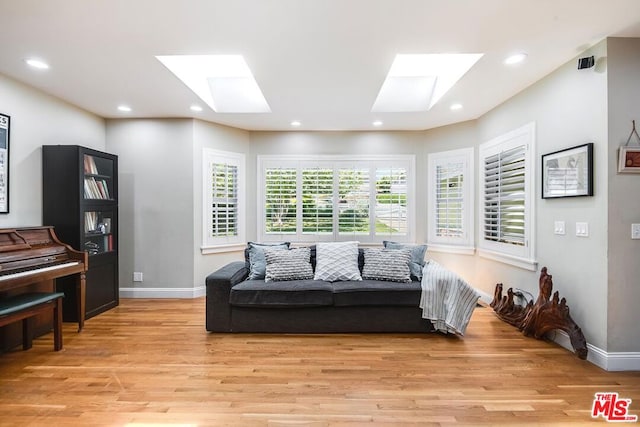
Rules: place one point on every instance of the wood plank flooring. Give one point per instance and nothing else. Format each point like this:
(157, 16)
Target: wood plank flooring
(150, 362)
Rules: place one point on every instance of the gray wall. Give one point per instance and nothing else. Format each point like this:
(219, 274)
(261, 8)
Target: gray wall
(160, 162)
(210, 135)
(160, 184)
(569, 107)
(155, 158)
(624, 198)
(38, 119)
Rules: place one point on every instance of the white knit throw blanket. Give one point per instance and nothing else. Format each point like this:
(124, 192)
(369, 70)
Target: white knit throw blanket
(447, 300)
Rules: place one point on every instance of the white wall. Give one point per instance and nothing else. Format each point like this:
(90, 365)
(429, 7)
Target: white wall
(38, 119)
(624, 198)
(156, 220)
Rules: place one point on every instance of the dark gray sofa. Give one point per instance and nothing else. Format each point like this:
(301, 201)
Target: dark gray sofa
(234, 304)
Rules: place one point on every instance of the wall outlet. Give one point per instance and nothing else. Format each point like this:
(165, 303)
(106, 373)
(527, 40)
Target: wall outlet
(635, 231)
(137, 276)
(582, 229)
(559, 228)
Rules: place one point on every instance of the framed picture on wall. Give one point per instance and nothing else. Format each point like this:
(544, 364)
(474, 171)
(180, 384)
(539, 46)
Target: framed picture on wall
(5, 122)
(568, 172)
(629, 160)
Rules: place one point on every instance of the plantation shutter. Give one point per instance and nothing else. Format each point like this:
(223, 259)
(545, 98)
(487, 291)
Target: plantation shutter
(504, 196)
(224, 200)
(317, 200)
(280, 200)
(391, 201)
(449, 200)
(353, 203)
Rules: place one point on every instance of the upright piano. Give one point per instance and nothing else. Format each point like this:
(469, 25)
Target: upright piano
(32, 258)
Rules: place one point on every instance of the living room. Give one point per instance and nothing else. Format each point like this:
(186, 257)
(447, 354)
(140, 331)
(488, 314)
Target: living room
(161, 180)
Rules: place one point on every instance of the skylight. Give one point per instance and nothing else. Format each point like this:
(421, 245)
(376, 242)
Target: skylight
(416, 82)
(224, 82)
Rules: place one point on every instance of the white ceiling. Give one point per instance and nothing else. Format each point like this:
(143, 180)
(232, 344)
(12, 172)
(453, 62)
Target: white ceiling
(318, 61)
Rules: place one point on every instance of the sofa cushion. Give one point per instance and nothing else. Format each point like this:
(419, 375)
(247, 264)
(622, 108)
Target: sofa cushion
(376, 292)
(387, 264)
(337, 261)
(292, 293)
(254, 255)
(293, 264)
(417, 256)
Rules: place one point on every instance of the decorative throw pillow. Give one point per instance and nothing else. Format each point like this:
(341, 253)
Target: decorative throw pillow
(337, 261)
(294, 264)
(257, 261)
(417, 256)
(387, 264)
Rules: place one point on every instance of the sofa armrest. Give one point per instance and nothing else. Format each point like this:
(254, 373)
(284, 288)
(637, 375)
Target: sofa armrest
(219, 284)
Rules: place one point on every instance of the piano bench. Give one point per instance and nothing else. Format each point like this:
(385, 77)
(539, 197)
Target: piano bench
(25, 306)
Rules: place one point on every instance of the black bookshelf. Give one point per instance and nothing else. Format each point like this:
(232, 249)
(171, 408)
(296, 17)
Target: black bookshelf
(80, 198)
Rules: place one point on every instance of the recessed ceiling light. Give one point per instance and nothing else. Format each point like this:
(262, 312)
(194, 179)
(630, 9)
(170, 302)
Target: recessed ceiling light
(515, 59)
(417, 82)
(124, 108)
(295, 123)
(37, 63)
(377, 123)
(455, 107)
(223, 82)
(196, 108)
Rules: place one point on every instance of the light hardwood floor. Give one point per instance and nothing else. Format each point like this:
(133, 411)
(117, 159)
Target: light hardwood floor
(150, 362)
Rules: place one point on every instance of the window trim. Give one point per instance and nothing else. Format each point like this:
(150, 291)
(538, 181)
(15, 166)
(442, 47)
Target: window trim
(519, 256)
(459, 245)
(213, 244)
(336, 162)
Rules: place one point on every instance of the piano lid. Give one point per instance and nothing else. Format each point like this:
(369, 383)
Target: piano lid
(11, 240)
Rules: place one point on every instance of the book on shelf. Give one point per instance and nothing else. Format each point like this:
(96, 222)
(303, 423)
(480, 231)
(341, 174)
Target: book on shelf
(90, 165)
(90, 221)
(96, 188)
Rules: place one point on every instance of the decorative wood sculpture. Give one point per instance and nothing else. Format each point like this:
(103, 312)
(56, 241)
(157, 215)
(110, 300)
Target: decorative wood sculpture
(543, 316)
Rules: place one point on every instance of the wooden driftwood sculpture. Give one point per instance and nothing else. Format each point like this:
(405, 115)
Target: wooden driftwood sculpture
(536, 319)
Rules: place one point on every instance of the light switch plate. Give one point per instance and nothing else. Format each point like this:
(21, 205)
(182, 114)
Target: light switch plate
(635, 231)
(582, 229)
(559, 228)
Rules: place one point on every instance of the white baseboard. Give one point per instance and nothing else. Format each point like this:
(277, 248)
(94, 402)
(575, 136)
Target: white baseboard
(618, 361)
(484, 297)
(185, 293)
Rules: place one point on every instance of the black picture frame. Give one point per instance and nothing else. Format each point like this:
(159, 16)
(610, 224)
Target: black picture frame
(568, 172)
(5, 130)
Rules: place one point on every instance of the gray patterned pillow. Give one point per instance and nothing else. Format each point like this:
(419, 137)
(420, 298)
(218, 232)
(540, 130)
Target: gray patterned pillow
(337, 261)
(387, 264)
(417, 256)
(294, 264)
(257, 262)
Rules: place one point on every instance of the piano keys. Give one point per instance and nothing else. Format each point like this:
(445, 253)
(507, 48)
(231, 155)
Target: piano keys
(35, 257)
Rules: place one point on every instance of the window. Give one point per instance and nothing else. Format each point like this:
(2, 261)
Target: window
(223, 199)
(353, 201)
(368, 198)
(506, 209)
(450, 202)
